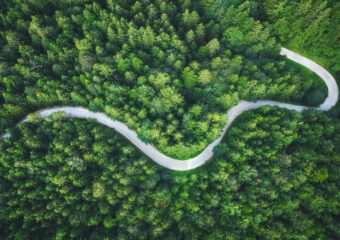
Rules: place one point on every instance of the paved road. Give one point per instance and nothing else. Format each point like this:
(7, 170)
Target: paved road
(233, 113)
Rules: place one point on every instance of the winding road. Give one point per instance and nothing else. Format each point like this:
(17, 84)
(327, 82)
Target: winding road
(232, 114)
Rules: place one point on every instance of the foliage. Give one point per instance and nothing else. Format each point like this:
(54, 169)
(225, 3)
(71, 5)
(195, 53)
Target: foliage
(170, 70)
(309, 27)
(274, 177)
(145, 63)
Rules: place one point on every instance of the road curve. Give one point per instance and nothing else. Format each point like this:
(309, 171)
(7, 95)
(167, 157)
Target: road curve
(232, 114)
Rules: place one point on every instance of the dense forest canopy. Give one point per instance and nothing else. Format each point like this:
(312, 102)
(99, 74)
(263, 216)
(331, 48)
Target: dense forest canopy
(311, 27)
(273, 178)
(170, 70)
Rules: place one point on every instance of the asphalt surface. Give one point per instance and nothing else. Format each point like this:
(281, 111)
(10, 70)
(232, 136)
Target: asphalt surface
(232, 114)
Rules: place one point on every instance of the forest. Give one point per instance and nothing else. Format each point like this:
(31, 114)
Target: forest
(170, 70)
(160, 66)
(273, 177)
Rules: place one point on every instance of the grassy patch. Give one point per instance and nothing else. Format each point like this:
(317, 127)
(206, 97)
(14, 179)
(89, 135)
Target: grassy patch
(324, 62)
(317, 92)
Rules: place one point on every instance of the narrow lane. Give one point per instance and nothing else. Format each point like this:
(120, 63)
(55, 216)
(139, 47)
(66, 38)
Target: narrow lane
(232, 114)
